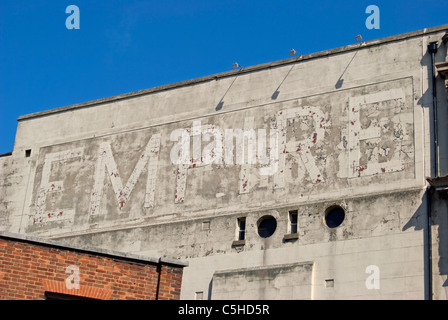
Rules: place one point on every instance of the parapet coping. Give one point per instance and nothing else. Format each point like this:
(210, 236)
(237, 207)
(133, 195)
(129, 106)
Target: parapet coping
(93, 251)
(225, 74)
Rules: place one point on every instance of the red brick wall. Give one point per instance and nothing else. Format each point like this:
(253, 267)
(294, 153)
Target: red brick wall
(27, 270)
(170, 282)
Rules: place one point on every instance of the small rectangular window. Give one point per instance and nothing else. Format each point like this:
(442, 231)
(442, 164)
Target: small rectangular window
(28, 153)
(292, 228)
(199, 295)
(293, 221)
(206, 225)
(241, 228)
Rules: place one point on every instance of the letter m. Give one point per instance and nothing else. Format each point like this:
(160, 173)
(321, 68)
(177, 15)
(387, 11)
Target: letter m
(106, 163)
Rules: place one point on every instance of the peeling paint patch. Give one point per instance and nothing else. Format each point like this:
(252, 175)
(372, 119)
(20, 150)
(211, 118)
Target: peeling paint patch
(372, 133)
(300, 149)
(251, 153)
(41, 215)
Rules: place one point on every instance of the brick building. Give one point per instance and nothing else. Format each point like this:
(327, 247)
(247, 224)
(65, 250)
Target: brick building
(35, 269)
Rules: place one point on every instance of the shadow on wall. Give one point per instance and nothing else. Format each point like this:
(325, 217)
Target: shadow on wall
(426, 101)
(439, 218)
(340, 81)
(210, 288)
(438, 205)
(275, 94)
(221, 102)
(419, 221)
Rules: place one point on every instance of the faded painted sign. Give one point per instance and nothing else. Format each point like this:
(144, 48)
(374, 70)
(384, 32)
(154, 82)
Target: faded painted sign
(272, 152)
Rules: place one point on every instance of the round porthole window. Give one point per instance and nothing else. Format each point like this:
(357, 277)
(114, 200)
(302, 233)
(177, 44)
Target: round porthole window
(334, 216)
(266, 226)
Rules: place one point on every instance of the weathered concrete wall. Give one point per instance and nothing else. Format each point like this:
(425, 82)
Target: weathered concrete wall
(291, 281)
(350, 127)
(389, 237)
(14, 178)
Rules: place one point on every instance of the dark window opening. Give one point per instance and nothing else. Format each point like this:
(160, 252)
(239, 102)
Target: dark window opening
(266, 226)
(293, 221)
(334, 216)
(241, 228)
(28, 153)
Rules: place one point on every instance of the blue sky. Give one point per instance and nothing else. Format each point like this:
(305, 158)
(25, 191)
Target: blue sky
(128, 45)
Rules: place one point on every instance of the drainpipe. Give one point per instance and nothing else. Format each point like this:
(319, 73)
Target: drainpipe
(432, 49)
(429, 241)
(159, 272)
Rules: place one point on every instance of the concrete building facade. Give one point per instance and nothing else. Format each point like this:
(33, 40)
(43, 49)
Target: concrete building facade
(314, 177)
